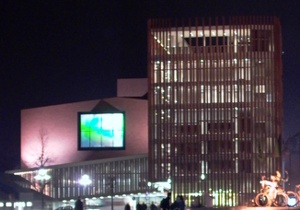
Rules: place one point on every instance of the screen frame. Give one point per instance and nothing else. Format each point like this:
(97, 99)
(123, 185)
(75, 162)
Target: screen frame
(80, 147)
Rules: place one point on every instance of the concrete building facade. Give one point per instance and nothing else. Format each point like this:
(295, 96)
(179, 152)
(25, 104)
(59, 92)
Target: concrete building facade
(49, 141)
(57, 126)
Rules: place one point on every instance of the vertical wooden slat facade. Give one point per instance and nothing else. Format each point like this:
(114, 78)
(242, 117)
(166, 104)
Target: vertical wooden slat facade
(215, 105)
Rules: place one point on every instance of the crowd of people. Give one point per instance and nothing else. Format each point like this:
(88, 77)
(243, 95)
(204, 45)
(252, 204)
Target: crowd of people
(142, 206)
(178, 204)
(165, 204)
(273, 184)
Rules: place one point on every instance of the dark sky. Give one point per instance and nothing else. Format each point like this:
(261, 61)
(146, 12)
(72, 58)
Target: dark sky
(54, 52)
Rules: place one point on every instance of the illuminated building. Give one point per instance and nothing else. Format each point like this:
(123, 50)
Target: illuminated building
(58, 126)
(210, 125)
(124, 178)
(215, 105)
(52, 133)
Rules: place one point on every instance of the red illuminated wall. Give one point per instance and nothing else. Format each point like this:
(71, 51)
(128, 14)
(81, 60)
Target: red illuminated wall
(59, 125)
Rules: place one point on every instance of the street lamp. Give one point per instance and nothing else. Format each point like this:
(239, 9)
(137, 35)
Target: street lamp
(111, 186)
(42, 177)
(149, 184)
(85, 181)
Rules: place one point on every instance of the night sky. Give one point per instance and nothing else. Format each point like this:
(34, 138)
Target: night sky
(54, 52)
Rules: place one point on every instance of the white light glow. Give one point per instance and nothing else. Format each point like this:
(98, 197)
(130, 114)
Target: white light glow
(85, 180)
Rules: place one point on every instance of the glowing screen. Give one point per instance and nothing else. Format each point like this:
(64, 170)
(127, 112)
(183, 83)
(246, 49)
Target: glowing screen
(101, 131)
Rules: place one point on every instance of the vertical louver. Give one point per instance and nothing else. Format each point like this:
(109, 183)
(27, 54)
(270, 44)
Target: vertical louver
(215, 105)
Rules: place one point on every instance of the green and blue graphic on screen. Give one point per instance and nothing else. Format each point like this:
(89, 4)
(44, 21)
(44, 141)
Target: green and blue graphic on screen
(101, 130)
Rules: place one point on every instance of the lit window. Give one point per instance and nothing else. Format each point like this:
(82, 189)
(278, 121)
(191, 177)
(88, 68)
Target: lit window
(260, 89)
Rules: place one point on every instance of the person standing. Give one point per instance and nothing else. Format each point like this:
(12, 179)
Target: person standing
(127, 206)
(144, 206)
(176, 204)
(165, 203)
(139, 206)
(153, 206)
(79, 204)
(181, 202)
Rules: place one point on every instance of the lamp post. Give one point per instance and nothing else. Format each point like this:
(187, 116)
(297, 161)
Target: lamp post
(42, 177)
(149, 184)
(85, 181)
(111, 186)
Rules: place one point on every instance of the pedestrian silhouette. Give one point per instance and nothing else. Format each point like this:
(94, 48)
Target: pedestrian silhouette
(153, 206)
(78, 204)
(127, 206)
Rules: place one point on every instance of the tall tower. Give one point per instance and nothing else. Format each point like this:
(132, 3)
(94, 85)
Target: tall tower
(215, 105)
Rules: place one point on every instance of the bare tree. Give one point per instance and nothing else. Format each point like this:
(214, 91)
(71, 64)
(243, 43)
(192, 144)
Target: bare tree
(42, 179)
(42, 158)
